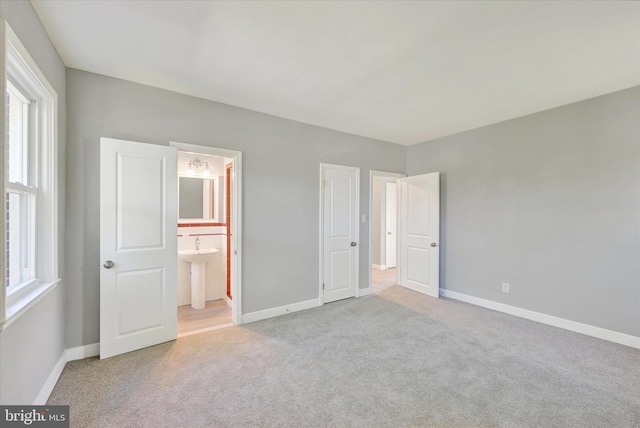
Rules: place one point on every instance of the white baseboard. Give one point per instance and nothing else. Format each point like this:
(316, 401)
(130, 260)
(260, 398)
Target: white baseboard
(82, 352)
(280, 310)
(51, 381)
(589, 330)
(379, 267)
(77, 353)
(363, 291)
(228, 300)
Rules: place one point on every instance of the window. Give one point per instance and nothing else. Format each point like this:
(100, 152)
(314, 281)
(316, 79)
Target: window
(21, 192)
(29, 220)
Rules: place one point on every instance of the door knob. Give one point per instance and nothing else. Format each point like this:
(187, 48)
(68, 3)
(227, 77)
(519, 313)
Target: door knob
(433, 244)
(108, 264)
(353, 244)
(388, 233)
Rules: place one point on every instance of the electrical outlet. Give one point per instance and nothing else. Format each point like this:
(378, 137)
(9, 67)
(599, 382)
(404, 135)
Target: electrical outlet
(505, 287)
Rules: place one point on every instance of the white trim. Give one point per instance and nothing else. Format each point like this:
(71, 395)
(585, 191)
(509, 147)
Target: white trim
(363, 292)
(321, 237)
(77, 353)
(227, 300)
(50, 383)
(236, 268)
(280, 310)
(3, 90)
(379, 267)
(17, 63)
(374, 173)
(82, 352)
(589, 330)
(26, 301)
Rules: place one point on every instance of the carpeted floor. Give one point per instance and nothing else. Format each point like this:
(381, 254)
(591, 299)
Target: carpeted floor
(392, 359)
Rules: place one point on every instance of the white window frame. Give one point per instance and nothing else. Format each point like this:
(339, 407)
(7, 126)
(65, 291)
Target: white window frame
(17, 65)
(26, 185)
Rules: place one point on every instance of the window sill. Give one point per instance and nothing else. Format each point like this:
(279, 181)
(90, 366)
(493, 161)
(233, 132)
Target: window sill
(27, 300)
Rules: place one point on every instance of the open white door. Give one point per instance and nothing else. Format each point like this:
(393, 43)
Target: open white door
(340, 212)
(419, 250)
(138, 244)
(391, 236)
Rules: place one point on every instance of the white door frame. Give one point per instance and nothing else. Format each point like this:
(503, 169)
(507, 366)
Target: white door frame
(374, 173)
(236, 266)
(324, 166)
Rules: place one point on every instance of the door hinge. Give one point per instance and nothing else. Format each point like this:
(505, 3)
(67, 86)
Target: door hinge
(323, 286)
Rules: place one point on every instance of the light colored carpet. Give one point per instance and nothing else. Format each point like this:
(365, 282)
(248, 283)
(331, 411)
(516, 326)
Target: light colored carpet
(389, 360)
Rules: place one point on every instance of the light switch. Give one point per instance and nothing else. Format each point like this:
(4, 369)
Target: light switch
(364, 218)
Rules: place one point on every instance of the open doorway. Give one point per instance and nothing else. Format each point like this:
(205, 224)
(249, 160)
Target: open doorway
(208, 230)
(139, 240)
(408, 252)
(383, 206)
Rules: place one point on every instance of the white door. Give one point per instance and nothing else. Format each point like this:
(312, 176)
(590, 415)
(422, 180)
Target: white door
(420, 233)
(390, 224)
(138, 244)
(340, 212)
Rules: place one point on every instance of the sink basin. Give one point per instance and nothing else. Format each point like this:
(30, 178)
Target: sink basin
(197, 256)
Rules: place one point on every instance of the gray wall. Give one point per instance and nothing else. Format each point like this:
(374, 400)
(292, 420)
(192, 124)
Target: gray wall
(33, 344)
(549, 203)
(280, 183)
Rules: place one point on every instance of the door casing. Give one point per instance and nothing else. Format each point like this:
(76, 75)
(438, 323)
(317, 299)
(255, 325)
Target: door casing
(236, 220)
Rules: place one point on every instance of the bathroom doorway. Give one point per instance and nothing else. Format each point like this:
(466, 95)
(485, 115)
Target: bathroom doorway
(209, 227)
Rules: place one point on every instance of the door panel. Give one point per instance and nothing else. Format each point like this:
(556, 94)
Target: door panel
(138, 233)
(391, 236)
(340, 229)
(420, 226)
(418, 265)
(340, 270)
(140, 221)
(135, 290)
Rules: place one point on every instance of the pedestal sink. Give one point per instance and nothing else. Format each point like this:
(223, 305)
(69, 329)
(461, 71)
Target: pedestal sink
(197, 258)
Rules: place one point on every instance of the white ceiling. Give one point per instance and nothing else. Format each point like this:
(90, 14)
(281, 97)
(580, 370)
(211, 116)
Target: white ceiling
(404, 72)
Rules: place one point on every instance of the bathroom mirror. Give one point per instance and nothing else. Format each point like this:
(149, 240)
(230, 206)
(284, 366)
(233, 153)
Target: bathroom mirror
(198, 199)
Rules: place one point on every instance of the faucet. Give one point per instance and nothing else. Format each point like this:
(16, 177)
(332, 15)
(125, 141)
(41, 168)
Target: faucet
(197, 243)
